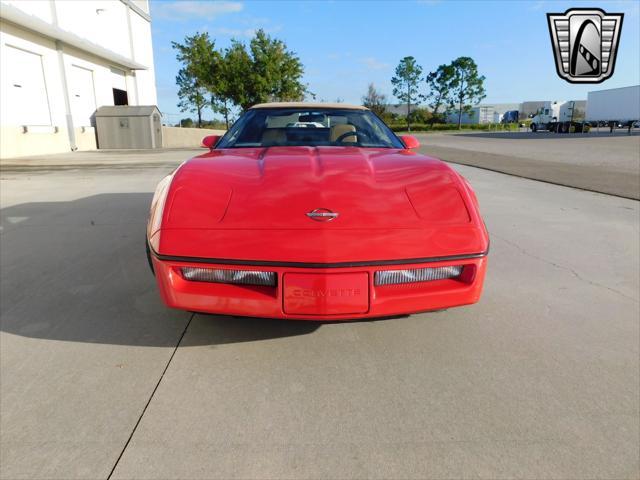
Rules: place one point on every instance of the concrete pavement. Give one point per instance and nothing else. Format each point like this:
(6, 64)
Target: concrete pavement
(83, 337)
(100, 159)
(598, 162)
(538, 380)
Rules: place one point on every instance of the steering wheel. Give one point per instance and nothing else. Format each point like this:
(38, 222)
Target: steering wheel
(352, 134)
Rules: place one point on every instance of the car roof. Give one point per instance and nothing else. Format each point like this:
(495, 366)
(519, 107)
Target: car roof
(342, 106)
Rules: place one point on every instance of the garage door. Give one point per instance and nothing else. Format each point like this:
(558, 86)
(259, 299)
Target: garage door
(25, 88)
(83, 97)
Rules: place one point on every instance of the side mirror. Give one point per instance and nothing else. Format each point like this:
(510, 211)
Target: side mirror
(410, 141)
(210, 141)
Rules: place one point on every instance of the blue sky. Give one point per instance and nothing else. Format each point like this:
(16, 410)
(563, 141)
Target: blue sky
(344, 45)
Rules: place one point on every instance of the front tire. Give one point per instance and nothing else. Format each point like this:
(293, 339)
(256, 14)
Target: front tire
(534, 128)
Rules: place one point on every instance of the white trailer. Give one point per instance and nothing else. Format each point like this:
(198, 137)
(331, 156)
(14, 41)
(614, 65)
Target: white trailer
(615, 106)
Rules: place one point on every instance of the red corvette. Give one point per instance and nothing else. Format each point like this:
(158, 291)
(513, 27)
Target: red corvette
(316, 212)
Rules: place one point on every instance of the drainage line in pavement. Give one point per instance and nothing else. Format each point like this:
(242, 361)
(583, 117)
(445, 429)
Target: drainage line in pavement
(151, 397)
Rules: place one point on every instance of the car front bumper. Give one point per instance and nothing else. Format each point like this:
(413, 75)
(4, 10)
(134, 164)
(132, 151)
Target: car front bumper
(319, 293)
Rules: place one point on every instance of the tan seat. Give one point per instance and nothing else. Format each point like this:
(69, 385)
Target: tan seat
(337, 130)
(274, 136)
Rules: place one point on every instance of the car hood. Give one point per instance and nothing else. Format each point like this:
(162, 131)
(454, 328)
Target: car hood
(275, 188)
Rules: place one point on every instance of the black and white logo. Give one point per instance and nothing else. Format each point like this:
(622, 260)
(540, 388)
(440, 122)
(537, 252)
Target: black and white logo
(585, 43)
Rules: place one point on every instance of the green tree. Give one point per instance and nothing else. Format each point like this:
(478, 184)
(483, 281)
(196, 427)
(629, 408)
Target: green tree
(235, 84)
(225, 87)
(374, 100)
(421, 115)
(467, 86)
(192, 95)
(222, 105)
(439, 85)
(276, 72)
(240, 76)
(405, 84)
(265, 71)
(197, 55)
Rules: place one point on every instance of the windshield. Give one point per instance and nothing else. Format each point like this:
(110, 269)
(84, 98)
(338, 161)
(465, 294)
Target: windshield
(267, 127)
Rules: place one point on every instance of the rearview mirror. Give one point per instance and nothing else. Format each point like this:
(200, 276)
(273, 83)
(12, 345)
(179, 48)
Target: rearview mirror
(210, 141)
(410, 141)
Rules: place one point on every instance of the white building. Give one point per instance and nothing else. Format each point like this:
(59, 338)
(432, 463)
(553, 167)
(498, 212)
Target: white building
(62, 59)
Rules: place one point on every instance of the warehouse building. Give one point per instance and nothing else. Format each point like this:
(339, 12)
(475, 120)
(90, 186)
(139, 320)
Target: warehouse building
(483, 113)
(63, 59)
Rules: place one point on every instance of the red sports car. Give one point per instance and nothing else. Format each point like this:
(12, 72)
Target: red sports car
(316, 212)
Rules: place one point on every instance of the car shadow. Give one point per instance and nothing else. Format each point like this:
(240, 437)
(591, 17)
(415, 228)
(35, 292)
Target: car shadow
(209, 329)
(219, 329)
(76, 271)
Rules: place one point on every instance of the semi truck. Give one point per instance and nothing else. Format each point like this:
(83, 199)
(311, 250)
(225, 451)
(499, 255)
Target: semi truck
(557, 116)
(615, 107)
(510, 116)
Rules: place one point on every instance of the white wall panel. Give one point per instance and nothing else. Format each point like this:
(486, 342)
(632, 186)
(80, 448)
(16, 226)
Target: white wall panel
(99, 21)
(143, 53)
(118, 79)
(38, 8)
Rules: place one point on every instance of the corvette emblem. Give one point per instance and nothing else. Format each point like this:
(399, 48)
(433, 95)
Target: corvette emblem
(585, 43)
(322, 215)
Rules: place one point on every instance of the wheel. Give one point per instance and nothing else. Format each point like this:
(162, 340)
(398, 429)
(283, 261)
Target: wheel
(534, 127)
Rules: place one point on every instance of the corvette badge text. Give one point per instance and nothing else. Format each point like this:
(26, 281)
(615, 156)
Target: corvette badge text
(585, 43)
(343, 292)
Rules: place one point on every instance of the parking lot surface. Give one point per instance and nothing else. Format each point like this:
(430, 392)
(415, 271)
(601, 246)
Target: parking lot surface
(98, 379)
(597, 161)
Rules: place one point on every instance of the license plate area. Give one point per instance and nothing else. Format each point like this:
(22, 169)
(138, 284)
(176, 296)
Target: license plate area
(326, 293)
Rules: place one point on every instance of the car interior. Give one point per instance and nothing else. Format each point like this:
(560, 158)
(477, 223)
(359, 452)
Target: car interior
(307, 127)
(291, 127)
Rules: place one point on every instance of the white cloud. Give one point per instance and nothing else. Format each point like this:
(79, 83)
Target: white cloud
(234, 32)
(187, 9)
(541, 5)
(338, 55)
(244, 32)
(373, 63)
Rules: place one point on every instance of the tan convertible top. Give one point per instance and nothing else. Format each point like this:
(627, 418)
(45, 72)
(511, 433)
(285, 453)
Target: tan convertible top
(344, 106)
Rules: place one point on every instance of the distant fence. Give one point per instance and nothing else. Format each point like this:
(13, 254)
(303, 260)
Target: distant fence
(176, 137)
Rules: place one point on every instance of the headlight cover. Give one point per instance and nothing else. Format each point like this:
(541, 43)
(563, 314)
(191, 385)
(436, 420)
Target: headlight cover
(237, 277)
(417, 275)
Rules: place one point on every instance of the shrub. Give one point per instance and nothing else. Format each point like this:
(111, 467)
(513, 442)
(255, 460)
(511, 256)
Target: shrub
(438, 127)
